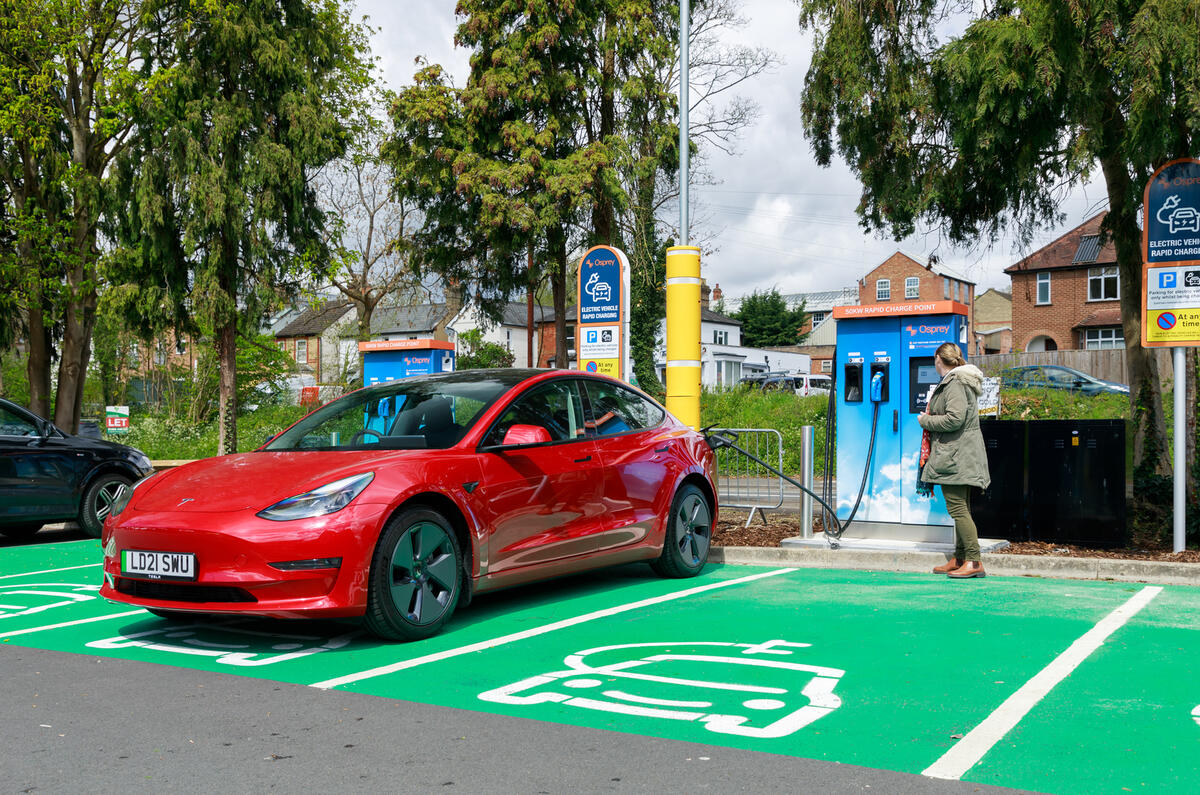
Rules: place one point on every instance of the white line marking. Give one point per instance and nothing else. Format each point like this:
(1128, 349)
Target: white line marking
(970, 749)
(69, 624)
(49, 571)
(529, 633)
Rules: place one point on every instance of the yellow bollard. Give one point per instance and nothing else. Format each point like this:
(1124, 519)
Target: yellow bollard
(683, 334)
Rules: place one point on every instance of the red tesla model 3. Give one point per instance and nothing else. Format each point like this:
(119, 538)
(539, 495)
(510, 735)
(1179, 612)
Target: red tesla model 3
(400, 501)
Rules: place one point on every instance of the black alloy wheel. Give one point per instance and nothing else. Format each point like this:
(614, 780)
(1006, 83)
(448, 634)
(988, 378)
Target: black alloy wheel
(416, 576)
(98, 500)
(688, 535)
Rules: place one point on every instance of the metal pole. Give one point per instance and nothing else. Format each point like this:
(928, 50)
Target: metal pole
(806, 478)
(1180, 446)
(684, 34)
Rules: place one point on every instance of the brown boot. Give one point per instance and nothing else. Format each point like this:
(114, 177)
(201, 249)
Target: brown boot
(948, 566)
(972, 568)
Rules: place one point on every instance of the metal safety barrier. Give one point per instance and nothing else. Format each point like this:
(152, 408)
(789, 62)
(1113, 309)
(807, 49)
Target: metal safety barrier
(745, 483)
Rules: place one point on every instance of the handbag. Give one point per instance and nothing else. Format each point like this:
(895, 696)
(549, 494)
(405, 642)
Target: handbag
(924, 489)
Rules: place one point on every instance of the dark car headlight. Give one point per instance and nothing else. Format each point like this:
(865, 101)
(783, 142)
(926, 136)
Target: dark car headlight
(124, 497)
(330, 498)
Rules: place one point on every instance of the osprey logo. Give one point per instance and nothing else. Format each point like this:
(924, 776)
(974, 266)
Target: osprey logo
(186, 499)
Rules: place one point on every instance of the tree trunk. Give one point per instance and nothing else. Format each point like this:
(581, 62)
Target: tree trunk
(227, 398)
(604, 223)
(37, 363)
(1146, 409)
(557, 242)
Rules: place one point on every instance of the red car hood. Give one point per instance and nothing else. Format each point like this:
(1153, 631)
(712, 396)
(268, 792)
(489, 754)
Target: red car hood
(252, 480)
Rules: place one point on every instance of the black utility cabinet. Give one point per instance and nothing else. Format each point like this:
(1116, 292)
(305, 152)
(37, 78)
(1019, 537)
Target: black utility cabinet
(1060, 481)
(999, 512)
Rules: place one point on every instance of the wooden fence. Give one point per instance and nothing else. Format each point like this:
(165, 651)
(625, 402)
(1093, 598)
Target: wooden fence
(1108, 365)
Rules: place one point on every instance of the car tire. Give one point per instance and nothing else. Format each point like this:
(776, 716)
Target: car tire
(688, 535)
(98, 499)
(20, 532)
(416, 576)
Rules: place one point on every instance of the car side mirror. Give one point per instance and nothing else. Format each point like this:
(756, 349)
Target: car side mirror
(525, 434)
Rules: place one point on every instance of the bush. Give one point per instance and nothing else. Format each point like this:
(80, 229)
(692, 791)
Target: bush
(161, 437)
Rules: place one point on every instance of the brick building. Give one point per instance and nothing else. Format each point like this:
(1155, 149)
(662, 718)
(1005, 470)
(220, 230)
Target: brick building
(1066, 295)
(900, 279)
(993, 322)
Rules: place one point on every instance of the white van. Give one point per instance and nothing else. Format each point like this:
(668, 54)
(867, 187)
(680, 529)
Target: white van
(813, 383)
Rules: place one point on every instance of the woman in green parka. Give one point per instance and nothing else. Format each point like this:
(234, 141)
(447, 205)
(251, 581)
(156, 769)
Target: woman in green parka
(957, 458)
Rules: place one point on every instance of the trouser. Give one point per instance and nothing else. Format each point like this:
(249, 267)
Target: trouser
(966, 536)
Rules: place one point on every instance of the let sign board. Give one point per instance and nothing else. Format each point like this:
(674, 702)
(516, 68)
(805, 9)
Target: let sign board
(1171, 252)
(116, 419)
(603, 312)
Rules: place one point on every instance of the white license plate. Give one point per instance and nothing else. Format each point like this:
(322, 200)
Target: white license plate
(159, 565)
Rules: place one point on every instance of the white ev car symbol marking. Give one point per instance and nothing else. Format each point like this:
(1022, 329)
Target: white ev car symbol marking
(23, 600)
(721, 670)
(223, 643)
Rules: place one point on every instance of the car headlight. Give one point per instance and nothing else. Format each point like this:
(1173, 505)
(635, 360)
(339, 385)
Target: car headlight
(124, 496)
(330, 498)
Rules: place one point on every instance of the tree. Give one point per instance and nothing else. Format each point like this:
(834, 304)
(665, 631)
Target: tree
(768, 322)
(222, 217)
(478, 354)
(501, 168)
(370, 231)
(982, 131)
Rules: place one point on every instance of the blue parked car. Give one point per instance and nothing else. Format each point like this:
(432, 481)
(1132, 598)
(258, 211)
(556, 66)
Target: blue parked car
(1055, 376)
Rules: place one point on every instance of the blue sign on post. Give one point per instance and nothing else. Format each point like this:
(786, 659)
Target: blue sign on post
(1172, 223)
(600, 287)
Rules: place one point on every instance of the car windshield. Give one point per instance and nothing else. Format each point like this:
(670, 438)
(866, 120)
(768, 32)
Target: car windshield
(422, 412)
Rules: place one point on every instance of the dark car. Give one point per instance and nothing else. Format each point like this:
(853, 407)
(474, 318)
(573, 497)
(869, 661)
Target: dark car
(1055, 376)
(398, 501)
(47, 475)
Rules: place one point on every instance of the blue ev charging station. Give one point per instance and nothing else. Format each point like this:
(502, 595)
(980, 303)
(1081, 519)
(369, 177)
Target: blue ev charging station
(389, 360)
(885, 371)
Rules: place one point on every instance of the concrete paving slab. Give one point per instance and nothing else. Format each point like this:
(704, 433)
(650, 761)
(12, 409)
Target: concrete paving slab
(997, 565)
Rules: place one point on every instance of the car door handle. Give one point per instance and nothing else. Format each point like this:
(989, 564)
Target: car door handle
(582, 460)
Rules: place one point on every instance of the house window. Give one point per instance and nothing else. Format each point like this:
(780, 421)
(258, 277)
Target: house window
(1098, 339)
(1043, 288)
(827, 365)
(133, 354)
(160, 354)
(817, 317)
(570, 342)
(883, 290)
(720, 337)
(912, 287)
(733, 372)
(1104, 284)
(956, 291)
(181, 346)
(946, 288)
(302, 350)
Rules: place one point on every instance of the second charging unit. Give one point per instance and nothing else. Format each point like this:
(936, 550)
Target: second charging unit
(885, 369)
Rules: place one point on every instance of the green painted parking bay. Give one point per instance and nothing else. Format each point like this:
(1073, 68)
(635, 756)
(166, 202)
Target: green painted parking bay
(1097, 681)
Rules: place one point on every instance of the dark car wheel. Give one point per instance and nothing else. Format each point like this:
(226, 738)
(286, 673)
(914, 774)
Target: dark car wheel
(20, 532)
(689, 535)
(416, 577)
(98, 500)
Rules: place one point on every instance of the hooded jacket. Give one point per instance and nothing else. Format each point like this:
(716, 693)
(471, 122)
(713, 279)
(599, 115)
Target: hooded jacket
(957, 455)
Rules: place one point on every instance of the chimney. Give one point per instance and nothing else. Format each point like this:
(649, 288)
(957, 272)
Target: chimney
(717, 295)
(704, 293)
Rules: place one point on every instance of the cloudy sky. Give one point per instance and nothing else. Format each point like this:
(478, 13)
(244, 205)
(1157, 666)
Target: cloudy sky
(775, 219)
